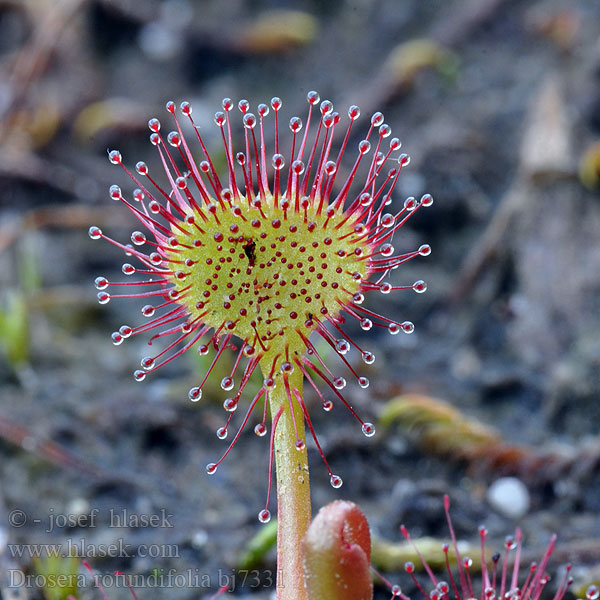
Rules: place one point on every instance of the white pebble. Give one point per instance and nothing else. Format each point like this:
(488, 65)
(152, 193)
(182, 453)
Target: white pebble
(509, 497)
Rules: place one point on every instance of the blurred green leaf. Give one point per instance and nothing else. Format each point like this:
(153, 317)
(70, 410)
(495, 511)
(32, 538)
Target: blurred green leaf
(61, 574)
(259, 545)
(14, 328)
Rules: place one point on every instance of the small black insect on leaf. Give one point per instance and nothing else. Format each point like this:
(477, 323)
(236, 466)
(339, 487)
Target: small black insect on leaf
(249, 252)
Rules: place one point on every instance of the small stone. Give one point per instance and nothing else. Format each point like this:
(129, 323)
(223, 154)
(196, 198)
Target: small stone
(199, 538)
(78, 507)
(509, 497)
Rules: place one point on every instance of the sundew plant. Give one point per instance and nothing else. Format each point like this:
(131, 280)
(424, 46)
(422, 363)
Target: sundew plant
(263, 260)
(337, 552)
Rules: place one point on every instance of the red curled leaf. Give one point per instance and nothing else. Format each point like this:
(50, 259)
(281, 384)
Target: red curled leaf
(336, 553)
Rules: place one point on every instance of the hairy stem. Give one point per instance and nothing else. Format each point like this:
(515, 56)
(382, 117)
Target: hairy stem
(293, 489)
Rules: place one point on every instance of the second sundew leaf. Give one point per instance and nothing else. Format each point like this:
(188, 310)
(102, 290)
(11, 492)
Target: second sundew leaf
(336, 554)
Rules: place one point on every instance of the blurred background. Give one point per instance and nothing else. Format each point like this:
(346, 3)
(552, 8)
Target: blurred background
(493, 399)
